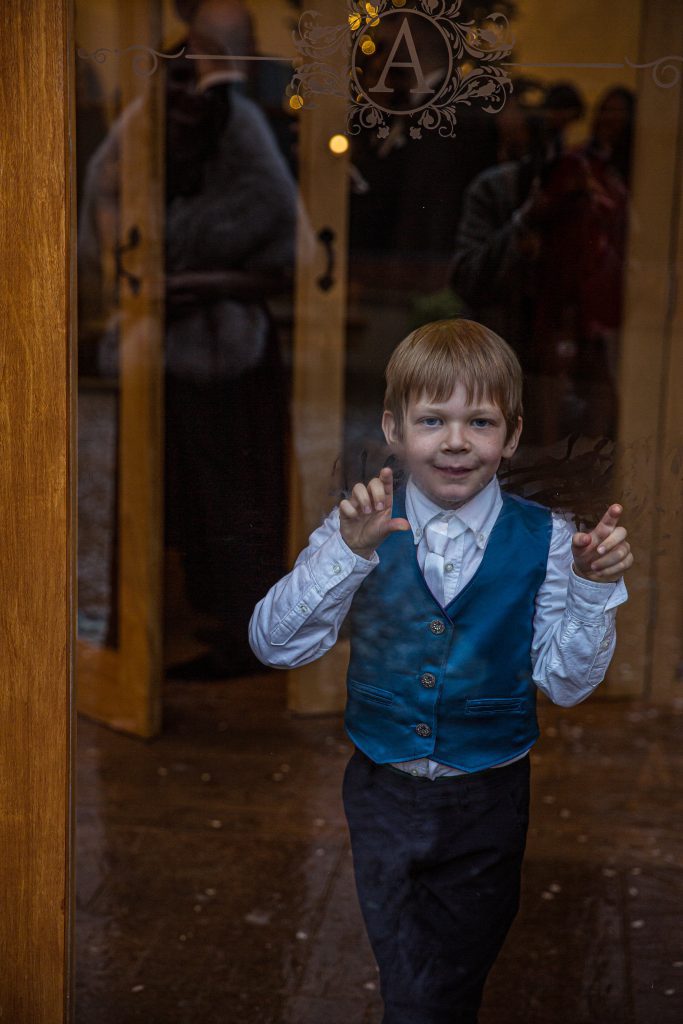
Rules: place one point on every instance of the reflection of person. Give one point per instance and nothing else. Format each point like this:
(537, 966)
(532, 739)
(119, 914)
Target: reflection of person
(475, 598)
(496, 253)
(579, 216)
(230, 230)
(231, 213)
(539, 257)
(611, 139)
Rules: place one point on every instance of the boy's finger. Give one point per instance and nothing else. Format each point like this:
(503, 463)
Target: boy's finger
(613, 572)
(376, 489)
(611, 557)
(387, 477)
(607, 523)
(398, 524)
(616, 537)
(362, 497)
(347, 510)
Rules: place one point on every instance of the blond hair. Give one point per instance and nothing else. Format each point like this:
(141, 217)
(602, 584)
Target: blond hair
(437, 356)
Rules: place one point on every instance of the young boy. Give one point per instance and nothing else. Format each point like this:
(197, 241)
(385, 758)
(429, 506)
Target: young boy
(463, 600)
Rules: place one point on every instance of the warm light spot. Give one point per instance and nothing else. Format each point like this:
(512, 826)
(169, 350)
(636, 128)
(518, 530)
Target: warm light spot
(338, 144)
(367, 46)
(354, 21)
(533, 97)
(399, 3)
(466, 67)
(296, 102)
(371, 9)
(372, 22)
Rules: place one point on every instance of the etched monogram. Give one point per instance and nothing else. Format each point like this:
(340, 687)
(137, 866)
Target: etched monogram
(417, 61)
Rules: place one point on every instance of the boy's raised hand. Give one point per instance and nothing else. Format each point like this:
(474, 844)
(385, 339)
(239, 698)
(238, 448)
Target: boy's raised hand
(603, 554)
(365, 518)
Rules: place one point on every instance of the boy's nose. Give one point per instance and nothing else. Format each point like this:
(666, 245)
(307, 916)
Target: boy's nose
(455, 439)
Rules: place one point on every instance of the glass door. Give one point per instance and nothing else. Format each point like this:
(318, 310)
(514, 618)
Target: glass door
(271, 196)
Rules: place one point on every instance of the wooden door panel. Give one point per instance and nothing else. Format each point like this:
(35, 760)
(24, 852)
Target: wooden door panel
(37, 496)
(121, 686)
(319, 359)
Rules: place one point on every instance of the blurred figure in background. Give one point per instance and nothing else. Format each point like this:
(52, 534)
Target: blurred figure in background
(539, 257)
(492, 268)
(581, 219)
(609, 148)
(231, 213)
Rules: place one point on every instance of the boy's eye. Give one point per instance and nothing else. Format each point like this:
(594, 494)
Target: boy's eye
(429, 421)
(480, 419)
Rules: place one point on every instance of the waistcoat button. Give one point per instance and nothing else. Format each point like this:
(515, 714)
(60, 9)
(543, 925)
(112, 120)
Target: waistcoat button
(428, 680)
(422, 729)
(437, 627)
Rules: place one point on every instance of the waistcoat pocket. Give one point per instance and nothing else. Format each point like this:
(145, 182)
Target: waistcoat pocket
(495, 706)
(371, 693)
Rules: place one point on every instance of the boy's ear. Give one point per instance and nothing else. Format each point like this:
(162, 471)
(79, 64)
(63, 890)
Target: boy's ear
(390, 430)
(511, 446)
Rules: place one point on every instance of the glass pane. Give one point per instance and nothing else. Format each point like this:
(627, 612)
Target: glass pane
(98, 375)
(332, 179)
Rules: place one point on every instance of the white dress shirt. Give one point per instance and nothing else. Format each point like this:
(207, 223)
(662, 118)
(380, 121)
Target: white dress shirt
(574, 631)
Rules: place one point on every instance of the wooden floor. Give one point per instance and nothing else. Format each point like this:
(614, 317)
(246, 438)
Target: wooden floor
(214, 877)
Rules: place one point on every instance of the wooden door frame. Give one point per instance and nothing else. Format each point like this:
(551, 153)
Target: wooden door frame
(121, 687)
(319, 360)
(38, 489)
(649, 658)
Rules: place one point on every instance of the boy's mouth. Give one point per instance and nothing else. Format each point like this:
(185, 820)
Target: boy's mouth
(454, 470)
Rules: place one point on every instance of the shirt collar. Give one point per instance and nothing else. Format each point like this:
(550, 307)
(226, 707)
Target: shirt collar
(478, 514)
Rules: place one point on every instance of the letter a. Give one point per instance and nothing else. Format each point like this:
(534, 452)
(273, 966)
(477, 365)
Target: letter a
(414, 62)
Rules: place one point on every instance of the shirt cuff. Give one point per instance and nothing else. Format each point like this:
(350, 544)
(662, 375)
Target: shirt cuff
(589, 600)
(361, 564)
(334, 561)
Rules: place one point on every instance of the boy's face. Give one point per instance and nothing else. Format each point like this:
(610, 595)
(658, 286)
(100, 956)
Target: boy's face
(451, 449)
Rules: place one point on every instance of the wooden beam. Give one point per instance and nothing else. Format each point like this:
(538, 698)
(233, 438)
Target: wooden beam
(650, 376)
(38, 503)
(666, 679)
(122, 688)
(141, 183)
(319, 359)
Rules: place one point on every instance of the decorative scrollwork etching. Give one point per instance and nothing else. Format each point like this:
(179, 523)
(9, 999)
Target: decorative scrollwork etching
(317, 77)
(476, 58)
(661, 67)
(471, 54)
(311, 39)
(145, 61)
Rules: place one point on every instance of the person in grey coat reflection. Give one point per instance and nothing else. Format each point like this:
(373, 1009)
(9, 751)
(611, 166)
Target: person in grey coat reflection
(231, 213)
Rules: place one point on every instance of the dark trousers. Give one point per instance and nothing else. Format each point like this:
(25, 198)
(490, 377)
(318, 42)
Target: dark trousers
(437, 867)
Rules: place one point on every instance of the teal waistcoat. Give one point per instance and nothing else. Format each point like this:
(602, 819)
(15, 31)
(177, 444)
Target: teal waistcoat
(453, 684)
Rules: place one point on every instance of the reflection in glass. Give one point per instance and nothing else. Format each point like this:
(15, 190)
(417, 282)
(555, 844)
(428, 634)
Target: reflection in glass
(214, 876)
(97, 397)
(222, 350)
(230, 230)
